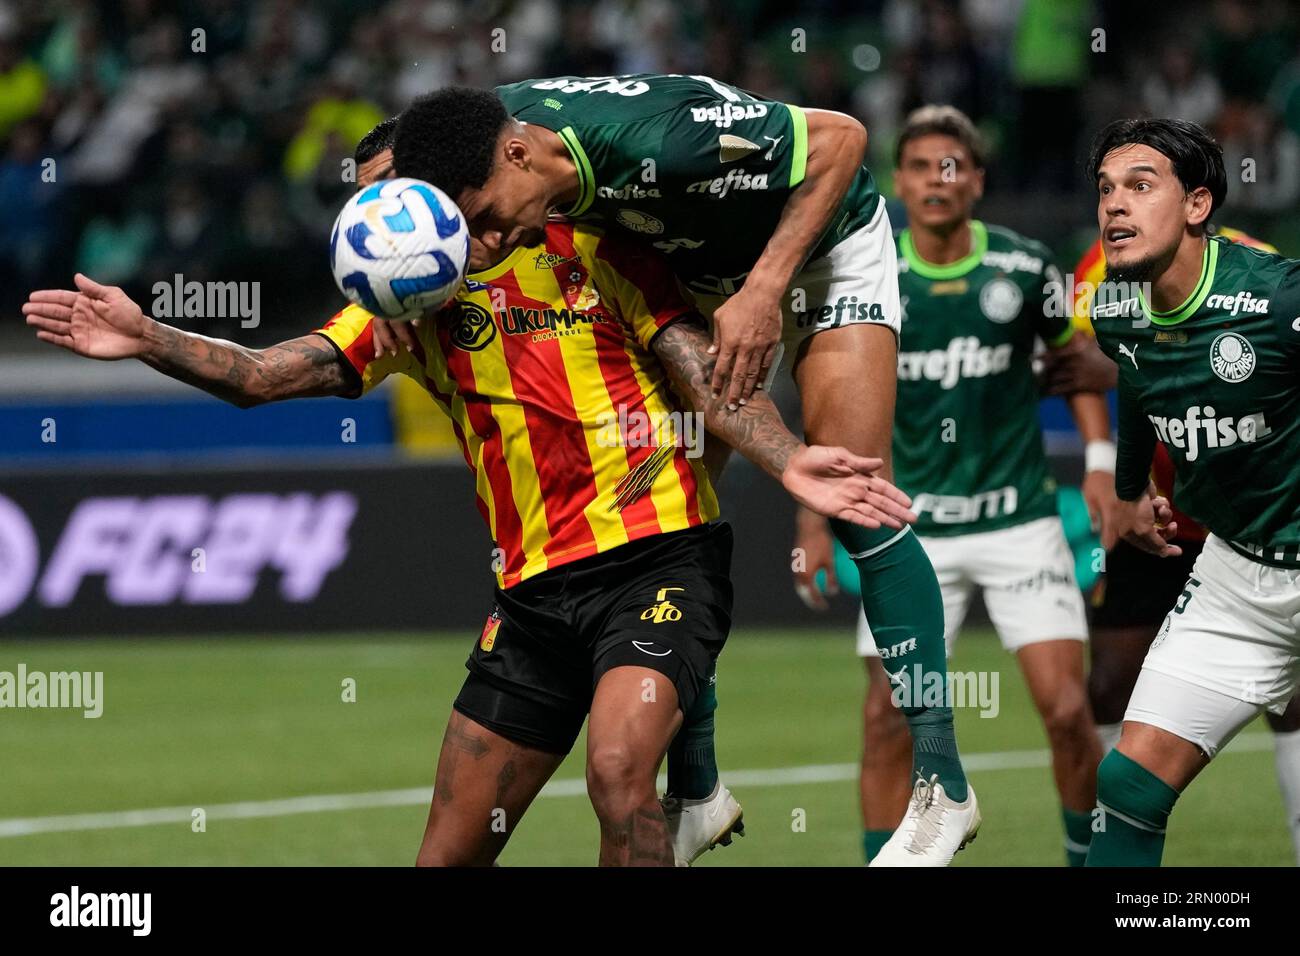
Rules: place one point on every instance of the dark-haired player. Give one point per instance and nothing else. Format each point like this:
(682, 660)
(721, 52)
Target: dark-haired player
(1209, 366)
(1137, 589)
(766, 214)
(614, 596)
(968, 448)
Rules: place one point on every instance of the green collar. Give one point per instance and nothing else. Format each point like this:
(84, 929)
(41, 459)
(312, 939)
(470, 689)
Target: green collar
(979, 244)
(1209, 261)
(586, 181)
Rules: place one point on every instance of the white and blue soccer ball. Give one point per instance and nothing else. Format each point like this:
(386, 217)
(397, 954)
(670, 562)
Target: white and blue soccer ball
(398, 247)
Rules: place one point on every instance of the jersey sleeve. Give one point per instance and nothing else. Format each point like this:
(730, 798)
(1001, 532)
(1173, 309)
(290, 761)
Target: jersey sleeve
(1054, 322)
(351, 332)
(643, 289)
(1136, 445)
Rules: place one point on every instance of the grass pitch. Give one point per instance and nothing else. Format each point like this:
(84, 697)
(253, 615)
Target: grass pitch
(255, 732)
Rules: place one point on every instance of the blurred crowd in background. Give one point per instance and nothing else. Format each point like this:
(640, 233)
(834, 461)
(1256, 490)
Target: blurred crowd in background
(206, 137)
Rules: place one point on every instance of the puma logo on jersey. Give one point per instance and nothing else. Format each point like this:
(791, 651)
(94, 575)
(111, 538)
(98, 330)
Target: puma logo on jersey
(1202, 428)
(1132, 354)
(776, 141)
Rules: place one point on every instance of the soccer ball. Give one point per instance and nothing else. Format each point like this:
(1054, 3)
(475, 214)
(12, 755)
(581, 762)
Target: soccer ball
(398, 247)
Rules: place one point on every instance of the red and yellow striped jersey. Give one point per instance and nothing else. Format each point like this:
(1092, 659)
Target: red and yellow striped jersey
(1088, 274)
(564, 414)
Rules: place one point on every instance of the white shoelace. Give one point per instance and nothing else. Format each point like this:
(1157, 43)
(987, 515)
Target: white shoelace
(929, 816)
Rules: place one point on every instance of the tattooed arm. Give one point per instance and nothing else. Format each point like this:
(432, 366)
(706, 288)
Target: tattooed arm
(102, 322)
(831, 481)
(754, 429)
(304, 367)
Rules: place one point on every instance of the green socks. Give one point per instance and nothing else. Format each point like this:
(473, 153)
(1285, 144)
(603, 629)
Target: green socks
(901, 599)
(873, 840)
(1135, 805)
(1078, 835)
(692, 763)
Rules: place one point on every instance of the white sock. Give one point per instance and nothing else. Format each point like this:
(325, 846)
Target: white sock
(1286, 753)
(1109, 734)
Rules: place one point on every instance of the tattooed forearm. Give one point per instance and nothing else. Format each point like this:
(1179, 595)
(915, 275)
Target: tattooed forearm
(299, 368)
(754, 429)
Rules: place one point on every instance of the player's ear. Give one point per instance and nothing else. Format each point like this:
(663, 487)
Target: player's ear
(977, 182)
(1198, 204)
(516, 151)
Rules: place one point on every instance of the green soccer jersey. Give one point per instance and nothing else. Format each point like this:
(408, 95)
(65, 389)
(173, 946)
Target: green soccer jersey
(700, 169)
(1217, 380)
(967, 443)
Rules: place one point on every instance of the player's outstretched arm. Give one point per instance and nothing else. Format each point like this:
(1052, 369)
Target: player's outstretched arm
(830, 481)
(102, 322)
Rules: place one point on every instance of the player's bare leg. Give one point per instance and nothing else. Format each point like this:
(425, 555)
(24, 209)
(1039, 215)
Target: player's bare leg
(634, 715)
(846, 378)
(1054, 674)
(1116, 660)
(483, 786)
(884, 782)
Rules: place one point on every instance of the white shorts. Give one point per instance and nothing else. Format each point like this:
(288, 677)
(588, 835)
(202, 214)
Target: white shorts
(856, 283)
(1026, 573)
(1229, 648)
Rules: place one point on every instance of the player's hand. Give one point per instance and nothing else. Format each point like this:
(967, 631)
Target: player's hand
(813, 537)
(1081, 367)
(98, 321)
(839, 484)
(1147, 524)
(1099, 496)
(746, 334)
(390, 334)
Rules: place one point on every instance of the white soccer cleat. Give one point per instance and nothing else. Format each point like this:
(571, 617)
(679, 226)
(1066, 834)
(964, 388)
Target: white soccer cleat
(933, 830)
(699, 825)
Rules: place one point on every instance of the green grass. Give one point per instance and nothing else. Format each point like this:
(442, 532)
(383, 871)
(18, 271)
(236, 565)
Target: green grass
(198, 723)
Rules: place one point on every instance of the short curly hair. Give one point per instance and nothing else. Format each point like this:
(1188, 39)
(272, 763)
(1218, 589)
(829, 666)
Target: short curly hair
(376, 141)
(448, 138)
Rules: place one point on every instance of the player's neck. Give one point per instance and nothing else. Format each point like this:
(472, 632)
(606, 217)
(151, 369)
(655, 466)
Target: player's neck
(1171, 287)
(556, 166)
(942, 245)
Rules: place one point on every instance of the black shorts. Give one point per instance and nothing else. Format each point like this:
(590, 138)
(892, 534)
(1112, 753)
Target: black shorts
(662, 602)
(1138, 588)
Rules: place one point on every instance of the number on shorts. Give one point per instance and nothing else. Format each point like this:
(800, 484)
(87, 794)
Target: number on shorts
(1185, 598)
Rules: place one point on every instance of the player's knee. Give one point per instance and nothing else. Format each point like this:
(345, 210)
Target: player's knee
(616, 780)
(1068, 720)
